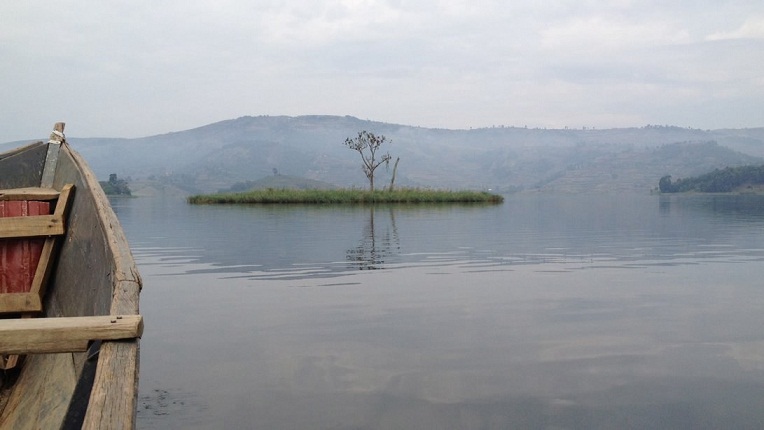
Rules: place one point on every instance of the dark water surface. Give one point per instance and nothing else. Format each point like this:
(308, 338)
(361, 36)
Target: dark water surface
(547, 312)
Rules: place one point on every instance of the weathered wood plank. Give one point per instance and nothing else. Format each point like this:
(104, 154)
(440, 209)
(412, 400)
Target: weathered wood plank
(23, 166)
(40, 225)
(62, 206)
(20, 302)
(51, 159)
(115, 390)
(84, 258)
(29, 193)
(114, 400)
(44, 265)
(114, 396)
(72, 334)
(42, 393)
(28, 226)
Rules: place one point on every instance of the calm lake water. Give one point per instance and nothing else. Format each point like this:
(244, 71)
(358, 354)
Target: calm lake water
(546, 312)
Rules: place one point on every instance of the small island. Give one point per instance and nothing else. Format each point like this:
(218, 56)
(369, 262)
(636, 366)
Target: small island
(346, 196)
(366, 144)
(741, 179)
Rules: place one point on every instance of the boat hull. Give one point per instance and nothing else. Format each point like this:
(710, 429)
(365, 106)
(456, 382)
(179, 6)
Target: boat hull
(93, 274)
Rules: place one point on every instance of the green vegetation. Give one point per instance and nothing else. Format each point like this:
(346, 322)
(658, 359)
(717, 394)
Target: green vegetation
(278, 181)
(115, 186)
(352, 196)
(724, 180)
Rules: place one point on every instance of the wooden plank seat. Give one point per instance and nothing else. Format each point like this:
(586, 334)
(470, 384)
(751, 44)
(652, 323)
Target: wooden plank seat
(71, 334)
(29, 193)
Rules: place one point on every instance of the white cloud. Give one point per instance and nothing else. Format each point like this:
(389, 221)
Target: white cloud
(602, 35)
(752, 28)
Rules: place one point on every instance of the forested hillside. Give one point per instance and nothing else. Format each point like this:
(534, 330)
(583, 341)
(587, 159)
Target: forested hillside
(719, 181)
(501, 158)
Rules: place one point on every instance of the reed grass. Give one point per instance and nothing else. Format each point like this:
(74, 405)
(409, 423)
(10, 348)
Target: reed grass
(346, 196)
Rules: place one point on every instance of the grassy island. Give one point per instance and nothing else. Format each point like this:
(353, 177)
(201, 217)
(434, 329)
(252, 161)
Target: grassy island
(346, 196)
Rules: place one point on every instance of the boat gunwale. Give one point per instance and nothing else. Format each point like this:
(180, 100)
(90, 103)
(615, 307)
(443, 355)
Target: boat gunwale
(15, 151)
(113, 398)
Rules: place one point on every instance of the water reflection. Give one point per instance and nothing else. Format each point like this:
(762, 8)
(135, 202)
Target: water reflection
(742, 207)
(571, 312)
(298, 242)
(379, 242)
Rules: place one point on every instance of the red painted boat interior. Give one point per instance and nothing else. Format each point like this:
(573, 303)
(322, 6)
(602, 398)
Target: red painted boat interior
(19, 256)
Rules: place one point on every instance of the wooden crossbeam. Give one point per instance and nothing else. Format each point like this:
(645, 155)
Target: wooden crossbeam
(70, 334)
(20, 302)
(39, 225)
(30, 193)
(31, 226)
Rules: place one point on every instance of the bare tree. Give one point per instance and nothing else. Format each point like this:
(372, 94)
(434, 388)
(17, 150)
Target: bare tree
(367, 144)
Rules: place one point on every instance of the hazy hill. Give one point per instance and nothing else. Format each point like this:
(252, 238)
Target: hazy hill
(218, 155)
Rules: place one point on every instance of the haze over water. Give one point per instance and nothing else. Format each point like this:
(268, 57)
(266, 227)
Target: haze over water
(629, 311)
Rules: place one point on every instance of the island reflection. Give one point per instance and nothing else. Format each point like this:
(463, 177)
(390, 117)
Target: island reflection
(379, 242)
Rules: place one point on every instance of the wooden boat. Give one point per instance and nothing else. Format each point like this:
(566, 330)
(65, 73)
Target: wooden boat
(69, 288)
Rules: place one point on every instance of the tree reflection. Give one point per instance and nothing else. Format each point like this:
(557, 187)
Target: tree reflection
(380, 241)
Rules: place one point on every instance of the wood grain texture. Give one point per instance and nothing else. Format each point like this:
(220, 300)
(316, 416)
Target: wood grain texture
(66, 334)
(42, 393)
(29, 193)
(20, 303)
(114, 396)
(22, 167)
(38, 226)
(113, 403)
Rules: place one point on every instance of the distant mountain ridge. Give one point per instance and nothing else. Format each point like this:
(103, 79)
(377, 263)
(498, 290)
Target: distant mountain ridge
(218, 155)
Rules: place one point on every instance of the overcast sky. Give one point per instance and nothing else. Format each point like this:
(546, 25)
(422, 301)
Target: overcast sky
(137, 68)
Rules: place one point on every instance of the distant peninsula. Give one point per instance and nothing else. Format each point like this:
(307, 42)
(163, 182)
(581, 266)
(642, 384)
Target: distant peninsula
(115, 186)
(727, 180)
